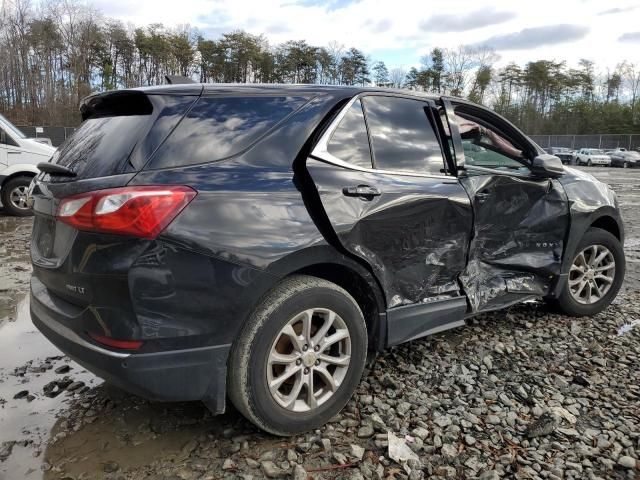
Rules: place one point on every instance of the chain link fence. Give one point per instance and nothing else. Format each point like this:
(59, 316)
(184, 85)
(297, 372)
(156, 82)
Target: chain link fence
(57, 135)
(575, 142)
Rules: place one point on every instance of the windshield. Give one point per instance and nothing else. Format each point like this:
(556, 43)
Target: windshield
(11, 128)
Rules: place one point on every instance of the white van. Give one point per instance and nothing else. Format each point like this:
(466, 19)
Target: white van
(19, 156)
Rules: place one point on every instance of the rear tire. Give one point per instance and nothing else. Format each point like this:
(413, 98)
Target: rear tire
(568, 302)
(14, 196)
(275, 334)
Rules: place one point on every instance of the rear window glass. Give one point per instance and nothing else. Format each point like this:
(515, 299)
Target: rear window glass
(219, 127)
(108, 144)
(101, 146)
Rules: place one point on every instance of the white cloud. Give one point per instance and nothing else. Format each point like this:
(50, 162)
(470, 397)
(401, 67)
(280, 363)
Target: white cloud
(399, 31)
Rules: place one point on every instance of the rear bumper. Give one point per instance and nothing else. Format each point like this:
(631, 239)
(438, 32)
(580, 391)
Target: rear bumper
(175, 375)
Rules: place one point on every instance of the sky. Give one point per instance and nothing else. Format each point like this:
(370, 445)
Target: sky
(400, 32)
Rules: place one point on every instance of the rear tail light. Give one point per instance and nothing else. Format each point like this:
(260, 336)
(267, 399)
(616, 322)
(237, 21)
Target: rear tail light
(143, 211)
(114, 343)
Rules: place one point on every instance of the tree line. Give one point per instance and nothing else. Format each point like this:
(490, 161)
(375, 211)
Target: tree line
(53, 55)
(541, 97)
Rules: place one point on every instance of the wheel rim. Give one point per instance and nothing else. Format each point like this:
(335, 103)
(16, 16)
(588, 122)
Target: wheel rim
(18, 197)
(308, 360)
(592, 274)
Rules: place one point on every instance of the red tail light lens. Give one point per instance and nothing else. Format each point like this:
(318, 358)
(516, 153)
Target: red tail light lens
(113, 343)
(136, 211)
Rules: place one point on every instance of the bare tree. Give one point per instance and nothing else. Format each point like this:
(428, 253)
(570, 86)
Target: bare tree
(458, 65)
(631, 77)
(336, 51)
(397, 76)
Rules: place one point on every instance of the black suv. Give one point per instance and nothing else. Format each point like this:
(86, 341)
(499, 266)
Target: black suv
(194, 241)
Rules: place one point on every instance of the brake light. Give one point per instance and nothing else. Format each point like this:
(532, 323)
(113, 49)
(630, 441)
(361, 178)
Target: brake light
(113, 343)
(143, 211)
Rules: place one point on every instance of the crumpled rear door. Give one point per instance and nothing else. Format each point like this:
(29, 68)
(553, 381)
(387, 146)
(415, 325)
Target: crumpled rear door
(410, 224)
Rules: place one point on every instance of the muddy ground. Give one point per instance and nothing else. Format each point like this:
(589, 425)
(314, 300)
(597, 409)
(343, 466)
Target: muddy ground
(93, 430)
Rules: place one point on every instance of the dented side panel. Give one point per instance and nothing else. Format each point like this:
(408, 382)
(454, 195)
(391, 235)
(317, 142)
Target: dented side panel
(520, 229)
(414, 235)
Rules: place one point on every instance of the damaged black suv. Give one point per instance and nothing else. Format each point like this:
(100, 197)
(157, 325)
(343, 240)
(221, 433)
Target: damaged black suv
(197, 241)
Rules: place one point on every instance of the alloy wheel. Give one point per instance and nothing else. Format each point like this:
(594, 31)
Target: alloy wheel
(308, 360)
(18, 197)
(591, 274)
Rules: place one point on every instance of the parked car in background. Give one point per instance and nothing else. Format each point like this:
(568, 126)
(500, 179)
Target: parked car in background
(563, 153)
(19, 156)
(615, 150)
(592, 156)
(197, 241)
(625, 159)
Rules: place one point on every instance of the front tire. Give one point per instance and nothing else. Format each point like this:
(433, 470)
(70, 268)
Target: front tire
(14, 196)
(589, 162)
(300, 356)
(595, 275)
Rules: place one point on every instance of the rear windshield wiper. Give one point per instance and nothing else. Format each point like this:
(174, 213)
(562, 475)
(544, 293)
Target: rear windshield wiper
(55, 169)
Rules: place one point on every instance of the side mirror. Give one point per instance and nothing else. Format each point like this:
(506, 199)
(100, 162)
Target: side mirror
(547, 166)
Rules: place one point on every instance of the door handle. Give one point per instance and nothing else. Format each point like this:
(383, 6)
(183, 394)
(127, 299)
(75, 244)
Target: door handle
(13, 153)
(361, 191)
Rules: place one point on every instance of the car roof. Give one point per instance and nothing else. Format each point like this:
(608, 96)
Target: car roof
(258, 88)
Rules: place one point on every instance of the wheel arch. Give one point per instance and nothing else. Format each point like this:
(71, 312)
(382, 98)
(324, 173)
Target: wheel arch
(326, 263)
(606, 218)
(11, 173)
(608, 223)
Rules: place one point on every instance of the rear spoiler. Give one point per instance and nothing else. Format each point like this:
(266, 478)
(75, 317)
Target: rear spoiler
(134, 101)
(116, 103)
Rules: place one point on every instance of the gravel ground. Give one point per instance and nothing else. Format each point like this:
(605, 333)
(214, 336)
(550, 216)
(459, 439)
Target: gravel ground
(521, 393)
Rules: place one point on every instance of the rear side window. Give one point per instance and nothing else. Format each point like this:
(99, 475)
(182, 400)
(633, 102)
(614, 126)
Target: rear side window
(349, 141)
(219, 127)
(401, 135)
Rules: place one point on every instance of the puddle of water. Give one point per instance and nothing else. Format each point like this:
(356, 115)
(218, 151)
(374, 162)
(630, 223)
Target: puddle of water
(133, 434)
(21, 420)
(84, 433)
(15, 236)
